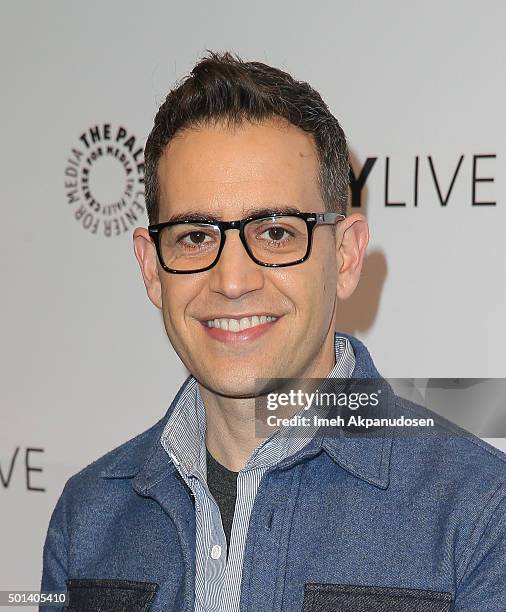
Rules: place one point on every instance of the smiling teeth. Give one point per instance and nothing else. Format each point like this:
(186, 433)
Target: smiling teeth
(236, 325)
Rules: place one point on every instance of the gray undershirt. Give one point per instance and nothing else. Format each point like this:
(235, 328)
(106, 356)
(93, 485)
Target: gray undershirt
(222, 484)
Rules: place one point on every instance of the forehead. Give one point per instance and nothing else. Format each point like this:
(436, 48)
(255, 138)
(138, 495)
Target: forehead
(227, 171)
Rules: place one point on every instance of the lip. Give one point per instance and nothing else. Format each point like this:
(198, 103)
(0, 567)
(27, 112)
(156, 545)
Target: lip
(246, 335)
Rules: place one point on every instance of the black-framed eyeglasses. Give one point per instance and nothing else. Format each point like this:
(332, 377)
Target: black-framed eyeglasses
(274, 241)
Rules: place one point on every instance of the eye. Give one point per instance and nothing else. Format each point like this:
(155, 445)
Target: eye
(276, 233)
(194, 238)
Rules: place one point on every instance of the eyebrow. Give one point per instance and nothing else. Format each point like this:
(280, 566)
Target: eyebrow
(198, 215)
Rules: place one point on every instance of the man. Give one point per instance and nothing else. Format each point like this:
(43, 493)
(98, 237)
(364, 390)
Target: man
(247, 256)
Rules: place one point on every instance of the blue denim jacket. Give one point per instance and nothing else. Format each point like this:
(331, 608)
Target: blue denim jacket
(352, 524)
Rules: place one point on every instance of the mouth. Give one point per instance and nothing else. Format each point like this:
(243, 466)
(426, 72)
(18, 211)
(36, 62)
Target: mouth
(239, 328)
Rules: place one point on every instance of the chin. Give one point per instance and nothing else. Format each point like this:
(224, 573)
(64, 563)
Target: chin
(234, 384)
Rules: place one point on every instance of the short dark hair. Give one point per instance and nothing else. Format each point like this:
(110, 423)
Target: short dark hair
(222, 87)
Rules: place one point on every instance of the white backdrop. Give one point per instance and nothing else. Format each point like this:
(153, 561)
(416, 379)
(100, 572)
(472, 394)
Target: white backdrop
(86, 363)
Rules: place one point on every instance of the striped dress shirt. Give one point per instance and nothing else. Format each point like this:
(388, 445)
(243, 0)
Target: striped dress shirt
(218, 579)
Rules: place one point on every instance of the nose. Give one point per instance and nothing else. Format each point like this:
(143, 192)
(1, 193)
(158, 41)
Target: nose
(235, 273)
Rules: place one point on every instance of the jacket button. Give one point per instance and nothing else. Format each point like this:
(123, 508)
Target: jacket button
(216, 551)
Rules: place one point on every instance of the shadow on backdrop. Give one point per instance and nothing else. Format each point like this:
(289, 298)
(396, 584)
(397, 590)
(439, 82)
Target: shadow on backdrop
(358, 312)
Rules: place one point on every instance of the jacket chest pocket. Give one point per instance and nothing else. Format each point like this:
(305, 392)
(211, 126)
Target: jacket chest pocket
(354, 598)
(107, 595)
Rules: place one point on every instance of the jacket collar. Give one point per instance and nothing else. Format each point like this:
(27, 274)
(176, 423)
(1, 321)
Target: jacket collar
(366, 457)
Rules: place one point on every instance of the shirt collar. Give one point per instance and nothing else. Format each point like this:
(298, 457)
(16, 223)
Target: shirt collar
(367, 458)
(183, 437)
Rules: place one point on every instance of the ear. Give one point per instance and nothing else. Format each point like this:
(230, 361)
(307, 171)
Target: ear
(351, 243)
(145, 252)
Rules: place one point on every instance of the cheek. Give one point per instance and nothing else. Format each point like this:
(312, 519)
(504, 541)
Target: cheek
(327, 272)
(176, 297)
(311, 288)
(321, 285)
(328, 280)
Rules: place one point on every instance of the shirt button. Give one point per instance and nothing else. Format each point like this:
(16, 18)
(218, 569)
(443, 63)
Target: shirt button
(216, 551)
(174, 459)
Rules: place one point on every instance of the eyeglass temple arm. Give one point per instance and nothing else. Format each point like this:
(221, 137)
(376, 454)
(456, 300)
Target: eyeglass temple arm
(328, 218)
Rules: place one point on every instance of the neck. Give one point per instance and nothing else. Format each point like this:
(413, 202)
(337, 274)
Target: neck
(230, 431)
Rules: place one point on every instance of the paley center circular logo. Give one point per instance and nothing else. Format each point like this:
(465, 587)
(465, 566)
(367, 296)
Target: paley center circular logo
(104, 180)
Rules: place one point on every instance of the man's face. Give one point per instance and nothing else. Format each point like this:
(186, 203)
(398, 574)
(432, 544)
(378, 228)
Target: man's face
(229, 174)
